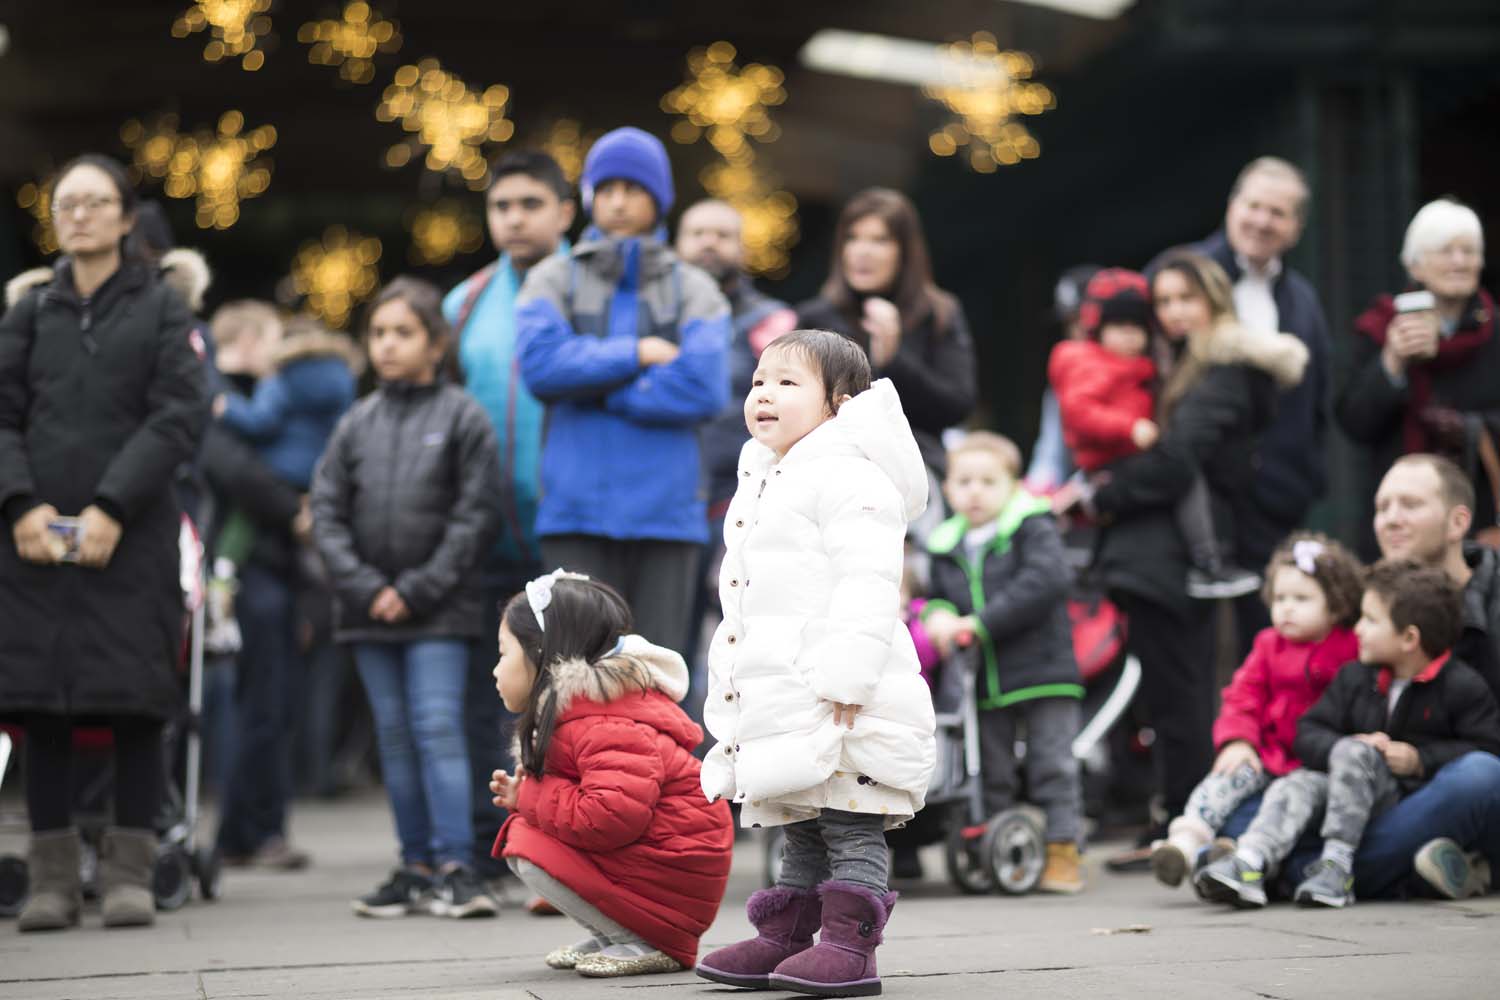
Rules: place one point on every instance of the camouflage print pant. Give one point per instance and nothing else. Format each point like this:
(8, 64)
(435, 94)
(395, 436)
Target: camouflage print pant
(1358, 787)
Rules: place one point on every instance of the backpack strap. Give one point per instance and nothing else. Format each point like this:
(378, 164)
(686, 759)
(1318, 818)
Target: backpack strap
(477, 285)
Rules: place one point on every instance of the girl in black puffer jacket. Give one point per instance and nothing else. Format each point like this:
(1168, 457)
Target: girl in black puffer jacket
(405, 503)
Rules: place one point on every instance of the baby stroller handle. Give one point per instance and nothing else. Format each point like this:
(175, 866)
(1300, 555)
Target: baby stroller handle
(968, 661)
(1109, 713)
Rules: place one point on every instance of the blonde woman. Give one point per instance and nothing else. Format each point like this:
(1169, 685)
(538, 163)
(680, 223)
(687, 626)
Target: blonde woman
(1219, 390)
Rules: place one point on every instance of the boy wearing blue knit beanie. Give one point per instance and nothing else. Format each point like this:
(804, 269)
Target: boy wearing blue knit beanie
(628, 348)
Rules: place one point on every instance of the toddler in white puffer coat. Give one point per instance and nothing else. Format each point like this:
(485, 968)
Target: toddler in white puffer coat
(822, 720)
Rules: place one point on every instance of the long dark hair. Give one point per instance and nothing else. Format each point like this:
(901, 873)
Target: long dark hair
(584, 621)
(130, 249)
(915, 294)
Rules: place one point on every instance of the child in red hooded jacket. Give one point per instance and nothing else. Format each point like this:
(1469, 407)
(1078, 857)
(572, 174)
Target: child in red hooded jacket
(1313, 587)
(608, 822)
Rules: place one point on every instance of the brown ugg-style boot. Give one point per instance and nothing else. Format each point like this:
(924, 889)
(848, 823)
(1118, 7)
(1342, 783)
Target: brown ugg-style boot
(56, 891)
(127, 859)
(1064, 871)
(785, 920)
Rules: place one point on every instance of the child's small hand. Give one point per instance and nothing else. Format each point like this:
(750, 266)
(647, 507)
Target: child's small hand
(507, 789)
(1235, 755)
(1377, 740)
(656, 351)
(1402, 758)
(843, 715)
(1144, 434)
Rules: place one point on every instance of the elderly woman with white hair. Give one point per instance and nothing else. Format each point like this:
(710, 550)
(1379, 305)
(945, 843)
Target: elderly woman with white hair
(1424, 370)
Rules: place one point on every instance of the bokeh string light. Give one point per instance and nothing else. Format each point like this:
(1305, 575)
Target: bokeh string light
(441, 232)
(724, 102)
(729, 105)
(336, 273)
(446, 116)
(36, 198)
(987, 89)
(219, 168)
(566, 143)
(236, 26)
(351, 42)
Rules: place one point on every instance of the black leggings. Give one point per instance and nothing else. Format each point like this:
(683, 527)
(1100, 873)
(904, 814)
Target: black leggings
(139, 775)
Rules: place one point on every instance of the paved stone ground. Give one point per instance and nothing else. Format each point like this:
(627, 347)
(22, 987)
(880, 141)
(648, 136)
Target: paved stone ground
(294, 936)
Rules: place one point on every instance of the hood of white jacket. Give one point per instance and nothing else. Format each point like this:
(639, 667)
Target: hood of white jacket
(871, 424)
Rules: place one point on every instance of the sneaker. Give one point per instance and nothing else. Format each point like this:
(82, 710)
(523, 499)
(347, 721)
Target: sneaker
(1326, 884)
(275, 855)
(1227, 581)
(405, 892)
(1231, 880)
(539, 907)
(1451, 871)
(1169, 863)
(461, 894)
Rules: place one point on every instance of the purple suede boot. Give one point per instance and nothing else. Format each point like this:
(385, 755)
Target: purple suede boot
(843, 963)
(785, 918)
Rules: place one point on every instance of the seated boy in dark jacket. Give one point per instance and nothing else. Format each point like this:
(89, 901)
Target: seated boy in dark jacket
(1382, 730)
(999, 578)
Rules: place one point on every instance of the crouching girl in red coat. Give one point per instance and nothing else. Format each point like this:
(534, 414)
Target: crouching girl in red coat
(607, 820)
(1313, 587)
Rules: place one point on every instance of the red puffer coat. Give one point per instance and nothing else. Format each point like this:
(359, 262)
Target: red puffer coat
(1279, 681)
(620, 817)
(1100, 396)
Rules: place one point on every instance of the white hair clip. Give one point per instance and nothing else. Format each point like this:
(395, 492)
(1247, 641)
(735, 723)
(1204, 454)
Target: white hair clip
(1305, 555)
(539, 592)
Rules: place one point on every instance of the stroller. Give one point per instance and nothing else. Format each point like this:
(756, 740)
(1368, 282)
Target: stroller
(1006, 851)
(180, 861)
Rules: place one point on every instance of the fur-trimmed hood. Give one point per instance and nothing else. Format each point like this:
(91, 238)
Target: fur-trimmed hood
(318, 343)
(183, 269)
(638, 665)
(186, 272)
(1280, 355)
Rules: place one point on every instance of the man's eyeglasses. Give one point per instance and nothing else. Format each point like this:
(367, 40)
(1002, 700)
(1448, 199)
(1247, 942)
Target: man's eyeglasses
(70, 206)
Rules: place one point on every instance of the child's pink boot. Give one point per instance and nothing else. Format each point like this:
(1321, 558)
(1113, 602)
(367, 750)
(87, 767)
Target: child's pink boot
(785, 919)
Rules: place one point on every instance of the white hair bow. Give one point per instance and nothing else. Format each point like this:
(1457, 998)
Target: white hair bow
(1305, 555)
(539, 592)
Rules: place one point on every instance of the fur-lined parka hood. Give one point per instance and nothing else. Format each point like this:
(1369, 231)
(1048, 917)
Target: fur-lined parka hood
(318, 343)
(1280, 355)
(606, 687)
(182, 269)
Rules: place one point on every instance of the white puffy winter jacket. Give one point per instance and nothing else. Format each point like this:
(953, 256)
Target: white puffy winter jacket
(810, 586)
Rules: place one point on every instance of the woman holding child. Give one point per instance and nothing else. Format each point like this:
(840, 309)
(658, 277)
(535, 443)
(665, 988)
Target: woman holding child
(1219, 382)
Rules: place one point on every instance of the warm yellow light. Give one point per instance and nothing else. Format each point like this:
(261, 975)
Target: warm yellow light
(351, 42)
(987, 88)
(336, 273)
(236, 26)
(37, 200)
(442, 231)
(566, 143)
(449, 118)
(219, 168)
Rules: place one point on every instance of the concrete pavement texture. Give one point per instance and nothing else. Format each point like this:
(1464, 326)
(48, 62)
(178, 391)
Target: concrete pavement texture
(293, 935)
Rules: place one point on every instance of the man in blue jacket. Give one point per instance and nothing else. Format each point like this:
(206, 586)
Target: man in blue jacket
(528, 209)
(628, 348)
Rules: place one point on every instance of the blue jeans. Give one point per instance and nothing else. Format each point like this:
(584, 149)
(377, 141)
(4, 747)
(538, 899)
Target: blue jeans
(1462, 801)
(259, 780)
(416, 691)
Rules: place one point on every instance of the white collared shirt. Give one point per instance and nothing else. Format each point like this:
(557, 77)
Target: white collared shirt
(1253, 299)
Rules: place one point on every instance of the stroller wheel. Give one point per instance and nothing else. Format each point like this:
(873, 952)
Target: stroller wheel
(968, 864)
(208, 869)
(775, 844)
(15, 884)
(172, 882)
(1015, 851)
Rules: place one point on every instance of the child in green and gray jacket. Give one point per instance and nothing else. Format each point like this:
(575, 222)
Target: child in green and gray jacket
(999, 579)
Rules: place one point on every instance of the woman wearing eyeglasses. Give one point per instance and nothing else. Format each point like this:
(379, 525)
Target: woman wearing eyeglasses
(102, 397)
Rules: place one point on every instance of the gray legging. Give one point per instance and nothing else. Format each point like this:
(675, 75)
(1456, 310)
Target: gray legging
(846, 846)
(585, 914)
